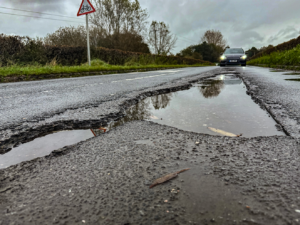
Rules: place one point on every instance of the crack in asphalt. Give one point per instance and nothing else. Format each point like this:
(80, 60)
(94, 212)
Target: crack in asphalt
(109, 175)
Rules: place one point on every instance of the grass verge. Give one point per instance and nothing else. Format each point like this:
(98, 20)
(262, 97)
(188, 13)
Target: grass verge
(96, 66)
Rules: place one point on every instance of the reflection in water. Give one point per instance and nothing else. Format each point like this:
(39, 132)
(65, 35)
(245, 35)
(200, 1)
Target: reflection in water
(161, 101)
(211, 88)
(140, 111)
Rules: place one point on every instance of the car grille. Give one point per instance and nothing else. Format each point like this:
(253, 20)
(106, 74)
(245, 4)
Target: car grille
(233, 57)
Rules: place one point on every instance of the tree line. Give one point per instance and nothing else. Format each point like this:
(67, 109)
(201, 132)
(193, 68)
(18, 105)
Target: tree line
(118, 24)
(123, 25)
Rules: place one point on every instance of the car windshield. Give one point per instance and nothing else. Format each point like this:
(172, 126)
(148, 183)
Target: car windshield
(234, 51)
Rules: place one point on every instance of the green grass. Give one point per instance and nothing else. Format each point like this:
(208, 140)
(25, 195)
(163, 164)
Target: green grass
(96, 65)
(289, 58)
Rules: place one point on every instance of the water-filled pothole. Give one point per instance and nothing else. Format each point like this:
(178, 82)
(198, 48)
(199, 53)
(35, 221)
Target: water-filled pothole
(211, 106)
(220, 103)
(293, 80)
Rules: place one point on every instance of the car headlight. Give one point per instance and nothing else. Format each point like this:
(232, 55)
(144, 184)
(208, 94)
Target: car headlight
(243, 57)
(223, 57)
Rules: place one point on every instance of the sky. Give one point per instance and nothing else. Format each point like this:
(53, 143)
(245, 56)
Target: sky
(243, 23)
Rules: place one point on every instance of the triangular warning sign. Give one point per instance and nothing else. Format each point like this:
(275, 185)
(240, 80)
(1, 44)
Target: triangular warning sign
(85, 8)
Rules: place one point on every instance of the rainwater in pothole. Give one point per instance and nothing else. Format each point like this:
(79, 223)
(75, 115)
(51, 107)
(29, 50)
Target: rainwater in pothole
(210, 107)
(214, 106)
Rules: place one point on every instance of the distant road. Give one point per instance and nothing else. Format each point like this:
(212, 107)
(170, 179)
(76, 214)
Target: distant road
(25, 101)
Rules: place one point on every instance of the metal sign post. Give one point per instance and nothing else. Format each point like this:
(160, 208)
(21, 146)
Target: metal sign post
(88, 39)
(85, 8)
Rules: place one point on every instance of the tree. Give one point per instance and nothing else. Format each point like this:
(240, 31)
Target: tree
(190, 52)
(76, 36)
(72, 36)
(251, 52)
(205, 51)
(117, 16)
(160, 38)
(214, 37)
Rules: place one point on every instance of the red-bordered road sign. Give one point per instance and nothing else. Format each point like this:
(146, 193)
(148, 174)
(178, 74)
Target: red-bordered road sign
(85, 8)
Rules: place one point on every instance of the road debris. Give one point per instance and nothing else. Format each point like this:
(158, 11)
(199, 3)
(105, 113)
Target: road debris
(153, 117)
(225, 133)
(166, 178)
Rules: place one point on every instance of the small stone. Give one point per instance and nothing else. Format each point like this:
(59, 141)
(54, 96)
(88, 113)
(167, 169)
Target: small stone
(166, 201)
(297, 211)
(142, 213)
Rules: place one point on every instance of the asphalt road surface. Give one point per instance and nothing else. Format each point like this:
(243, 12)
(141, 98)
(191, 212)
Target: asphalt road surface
(24, 101)
(105, 180)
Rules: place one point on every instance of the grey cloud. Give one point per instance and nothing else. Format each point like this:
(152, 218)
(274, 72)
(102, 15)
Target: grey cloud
(243, 23)
(57, 6)
(286, 33)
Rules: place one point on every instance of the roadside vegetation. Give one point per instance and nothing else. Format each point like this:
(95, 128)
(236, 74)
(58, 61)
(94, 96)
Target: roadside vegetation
(279, 58)
(96, 66)
(285, 55)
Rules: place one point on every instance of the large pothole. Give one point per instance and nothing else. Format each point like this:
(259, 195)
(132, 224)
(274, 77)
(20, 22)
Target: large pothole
(215, 106)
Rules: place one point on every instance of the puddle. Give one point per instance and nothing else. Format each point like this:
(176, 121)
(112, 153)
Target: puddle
(277, 70)
(293, 79)
(219, 102)
(43, 146)
(291, 74)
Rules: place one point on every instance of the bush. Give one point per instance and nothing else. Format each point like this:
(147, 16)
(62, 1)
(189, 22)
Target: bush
(26, 51)
(288, 58)
(281, 47)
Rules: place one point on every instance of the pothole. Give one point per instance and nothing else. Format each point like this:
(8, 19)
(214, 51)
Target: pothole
(215, 106)
(220, 103)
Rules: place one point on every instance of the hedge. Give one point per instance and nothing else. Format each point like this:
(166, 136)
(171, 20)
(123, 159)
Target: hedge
(23, 50)
(281, 47)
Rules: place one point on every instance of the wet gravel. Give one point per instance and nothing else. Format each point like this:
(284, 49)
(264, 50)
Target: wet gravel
(106, 179)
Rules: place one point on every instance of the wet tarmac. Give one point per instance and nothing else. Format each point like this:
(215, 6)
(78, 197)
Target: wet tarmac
(220, 102)
(106, 179)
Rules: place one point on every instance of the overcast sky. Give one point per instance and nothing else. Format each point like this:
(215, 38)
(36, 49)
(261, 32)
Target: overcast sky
(244, 23)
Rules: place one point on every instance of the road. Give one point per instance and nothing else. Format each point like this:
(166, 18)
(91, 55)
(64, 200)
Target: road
(26, 101)
(105, 180)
